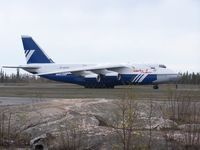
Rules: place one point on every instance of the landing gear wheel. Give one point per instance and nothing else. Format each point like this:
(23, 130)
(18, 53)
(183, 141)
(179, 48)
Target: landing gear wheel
(155, 87)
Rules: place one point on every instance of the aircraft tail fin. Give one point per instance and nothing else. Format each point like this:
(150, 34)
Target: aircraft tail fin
(33, 53)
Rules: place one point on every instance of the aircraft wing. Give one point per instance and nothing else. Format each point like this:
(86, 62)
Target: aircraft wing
(22, 67)
(86, 68)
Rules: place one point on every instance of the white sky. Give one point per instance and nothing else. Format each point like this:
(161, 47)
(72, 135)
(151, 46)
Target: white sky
(104, 31)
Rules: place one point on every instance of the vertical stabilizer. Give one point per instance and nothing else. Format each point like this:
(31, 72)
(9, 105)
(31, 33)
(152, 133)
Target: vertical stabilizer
(33, 53)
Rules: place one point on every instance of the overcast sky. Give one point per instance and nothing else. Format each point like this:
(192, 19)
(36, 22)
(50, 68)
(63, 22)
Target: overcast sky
(104, 31)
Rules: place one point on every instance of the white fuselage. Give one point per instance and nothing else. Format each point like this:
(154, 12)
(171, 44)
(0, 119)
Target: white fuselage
(163, 74)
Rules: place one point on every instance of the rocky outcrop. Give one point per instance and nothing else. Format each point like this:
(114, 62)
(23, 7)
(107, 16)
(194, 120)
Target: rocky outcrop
(161, 124)
(90, 124)
(189, 127)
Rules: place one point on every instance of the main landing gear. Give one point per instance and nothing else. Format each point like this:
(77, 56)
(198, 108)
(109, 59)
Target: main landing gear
(100, 86)
(155, 87)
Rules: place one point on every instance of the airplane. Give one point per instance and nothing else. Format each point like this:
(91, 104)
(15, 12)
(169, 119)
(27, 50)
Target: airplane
(93, 75)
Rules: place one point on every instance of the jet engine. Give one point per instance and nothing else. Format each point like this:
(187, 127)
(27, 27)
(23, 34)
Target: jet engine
(93, 76)
(108, 73)
(113, 74)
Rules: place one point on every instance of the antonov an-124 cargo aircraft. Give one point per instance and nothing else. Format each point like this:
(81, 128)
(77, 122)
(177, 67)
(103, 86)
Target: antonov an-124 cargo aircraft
(93, 75)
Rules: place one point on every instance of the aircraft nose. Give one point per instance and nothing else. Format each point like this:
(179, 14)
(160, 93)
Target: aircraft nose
(175, 77)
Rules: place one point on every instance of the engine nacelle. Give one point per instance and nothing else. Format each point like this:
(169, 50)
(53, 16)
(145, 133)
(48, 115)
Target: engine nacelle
(108, 73)
(111, 74)
(93, 76)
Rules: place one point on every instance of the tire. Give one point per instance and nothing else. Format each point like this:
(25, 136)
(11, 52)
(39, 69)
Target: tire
(155, 87)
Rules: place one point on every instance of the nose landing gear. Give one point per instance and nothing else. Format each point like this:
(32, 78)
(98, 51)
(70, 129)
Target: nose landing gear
(155, 87)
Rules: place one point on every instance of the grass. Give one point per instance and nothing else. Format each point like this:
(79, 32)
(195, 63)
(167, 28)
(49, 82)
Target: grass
(59, 90)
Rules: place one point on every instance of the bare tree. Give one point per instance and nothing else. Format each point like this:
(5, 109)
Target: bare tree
(150, 123)
(126, 116)
(70, 137)
(184, 109)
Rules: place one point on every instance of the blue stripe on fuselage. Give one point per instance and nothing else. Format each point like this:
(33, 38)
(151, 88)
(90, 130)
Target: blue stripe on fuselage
(149, 79)
(126, 79)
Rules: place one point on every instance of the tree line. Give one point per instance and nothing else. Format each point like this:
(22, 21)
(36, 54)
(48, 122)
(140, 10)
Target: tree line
(186, 78)
(189, 78)
(20, 78)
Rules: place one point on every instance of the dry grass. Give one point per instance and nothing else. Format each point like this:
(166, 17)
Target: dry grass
(59, 90)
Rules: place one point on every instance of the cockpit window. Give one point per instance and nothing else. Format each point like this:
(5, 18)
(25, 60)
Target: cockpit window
(162, 66)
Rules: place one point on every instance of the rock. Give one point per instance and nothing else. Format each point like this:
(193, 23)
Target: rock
(88, 123)
(60, 118)
(39, 143)
(189, 127)
(190, 139)
(160, 123)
